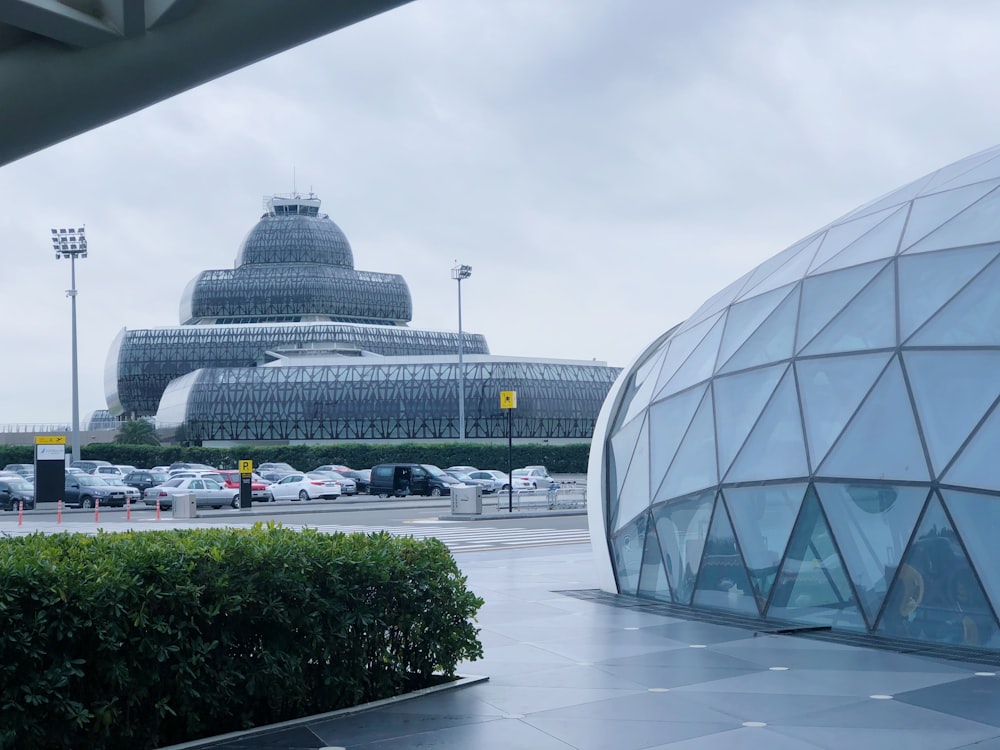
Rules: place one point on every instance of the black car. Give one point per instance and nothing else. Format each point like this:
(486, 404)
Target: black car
(143, 479)
(14, 491)
(83, 491)
(362, 478)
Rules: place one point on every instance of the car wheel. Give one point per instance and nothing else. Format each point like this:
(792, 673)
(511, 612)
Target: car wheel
(303, 495)
(236, 502)
(86, 502)
(216, 507)
(436, 492)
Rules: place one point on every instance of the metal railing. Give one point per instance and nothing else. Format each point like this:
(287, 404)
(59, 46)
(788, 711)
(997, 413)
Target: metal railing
(554, 498)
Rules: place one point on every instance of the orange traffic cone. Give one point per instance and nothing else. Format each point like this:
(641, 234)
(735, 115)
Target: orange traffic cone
(97, 509)
(20, 512)
(59, 512)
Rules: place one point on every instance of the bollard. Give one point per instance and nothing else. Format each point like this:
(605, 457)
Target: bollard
(97, 509)
(59, 512)
(157, 509)
(20, 512)
(128, 509)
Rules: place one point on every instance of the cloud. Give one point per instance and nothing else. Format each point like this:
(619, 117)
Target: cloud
(603, 165)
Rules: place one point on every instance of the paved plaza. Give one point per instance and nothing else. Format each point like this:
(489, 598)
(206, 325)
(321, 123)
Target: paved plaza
(569, 668)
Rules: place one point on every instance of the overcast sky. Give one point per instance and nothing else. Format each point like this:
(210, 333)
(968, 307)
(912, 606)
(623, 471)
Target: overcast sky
(603, 165)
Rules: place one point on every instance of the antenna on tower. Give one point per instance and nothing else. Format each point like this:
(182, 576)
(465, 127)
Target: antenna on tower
(295, 190)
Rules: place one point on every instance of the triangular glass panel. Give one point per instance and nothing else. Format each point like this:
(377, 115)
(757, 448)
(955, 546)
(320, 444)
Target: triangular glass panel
(881, 242)
(825, 295)
(936, 596)
(970, 318)
(927, 281)
(896, 197)
(628, 545)
(622, 448)
(635, 496)
(772, 341)
(872, 524)
(653, 583)
(977, 518)
(773, 264)
(812, 586)
(745, 317)
(682, 528)
(976, 225)
(643, 385)
(789, 272)
(952, 173)
(668, 423)
(762, 519)
(722, 580)
(868, 322)
(927, 214)
(716, 303)
(976, 465)
(681, 346)
(775, 448)
(700, 364)
(987, 171)
(739, 400)
(881, 441)
(694, 466)
(841, 235)
(953, 390)
(831, 388)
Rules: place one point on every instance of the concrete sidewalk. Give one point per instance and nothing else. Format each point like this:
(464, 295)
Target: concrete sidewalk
(569, 668)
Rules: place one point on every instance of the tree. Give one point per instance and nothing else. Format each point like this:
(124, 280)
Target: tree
(137, 432)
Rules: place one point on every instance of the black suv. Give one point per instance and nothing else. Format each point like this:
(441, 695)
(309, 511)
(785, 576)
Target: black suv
(143, 479)
(15, 491)
(400, 480)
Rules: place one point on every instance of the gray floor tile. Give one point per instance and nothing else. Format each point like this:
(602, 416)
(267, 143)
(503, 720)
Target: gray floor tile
(887, 714)
(868, 738)
(974, 698)
(372, 726)
(645, 706)
(744, 738)
(507, 735)
(595, 734)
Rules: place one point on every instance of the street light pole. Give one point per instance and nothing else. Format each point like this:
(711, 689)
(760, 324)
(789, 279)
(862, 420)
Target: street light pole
(70, 243)
(458, 273)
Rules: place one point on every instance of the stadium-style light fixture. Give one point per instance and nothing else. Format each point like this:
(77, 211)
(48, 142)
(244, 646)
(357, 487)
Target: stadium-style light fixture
(72, 243)
(458, 273)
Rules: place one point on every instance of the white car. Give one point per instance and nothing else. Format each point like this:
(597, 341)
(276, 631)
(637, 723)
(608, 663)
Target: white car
(347, 485)
(132, 495)
(520, 483)
(537, 475)
(300, 486)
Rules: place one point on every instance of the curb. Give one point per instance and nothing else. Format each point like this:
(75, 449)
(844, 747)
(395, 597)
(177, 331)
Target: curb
(461, 682)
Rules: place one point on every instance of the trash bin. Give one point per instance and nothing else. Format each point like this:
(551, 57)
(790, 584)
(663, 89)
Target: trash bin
(185, 506)
(467, 499)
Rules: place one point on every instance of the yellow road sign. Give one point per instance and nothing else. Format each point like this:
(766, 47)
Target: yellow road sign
(508, 399)
(246, 466)
(50, 440)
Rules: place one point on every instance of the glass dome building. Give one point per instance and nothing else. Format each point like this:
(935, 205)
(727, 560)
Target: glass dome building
(294, 344)
(817, 444)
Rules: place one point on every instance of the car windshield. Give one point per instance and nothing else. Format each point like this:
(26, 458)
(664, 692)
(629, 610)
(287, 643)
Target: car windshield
(173, 483)
(520, 472)
(19, 486)
(90, 481)
(160, 476)
(460, 476)
(114, 481)
(434, 471)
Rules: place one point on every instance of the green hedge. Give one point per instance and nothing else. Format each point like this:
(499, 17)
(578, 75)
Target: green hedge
(143, 639)
(560, 459)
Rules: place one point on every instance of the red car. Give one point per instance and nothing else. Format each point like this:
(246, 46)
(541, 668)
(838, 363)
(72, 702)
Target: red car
(258, 487)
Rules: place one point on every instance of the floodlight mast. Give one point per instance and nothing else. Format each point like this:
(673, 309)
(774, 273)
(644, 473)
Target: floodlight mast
(458, 273)
(72, 243)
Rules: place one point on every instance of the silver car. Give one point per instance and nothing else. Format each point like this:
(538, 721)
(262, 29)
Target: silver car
(207, 493)
(347, 485)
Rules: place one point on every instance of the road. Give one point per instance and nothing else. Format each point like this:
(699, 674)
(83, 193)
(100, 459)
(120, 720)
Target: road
(417, 518)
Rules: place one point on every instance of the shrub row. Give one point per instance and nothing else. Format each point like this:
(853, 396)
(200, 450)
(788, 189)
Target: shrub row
(560, 459)
(142, 639)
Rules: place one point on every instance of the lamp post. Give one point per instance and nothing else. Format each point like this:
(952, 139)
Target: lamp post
(72, 243)
(458, 273)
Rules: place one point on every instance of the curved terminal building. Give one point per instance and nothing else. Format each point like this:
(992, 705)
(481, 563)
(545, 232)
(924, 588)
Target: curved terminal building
(817, 444)
(293, 343)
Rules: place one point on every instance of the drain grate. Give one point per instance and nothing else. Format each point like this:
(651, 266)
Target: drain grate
(951, 652)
